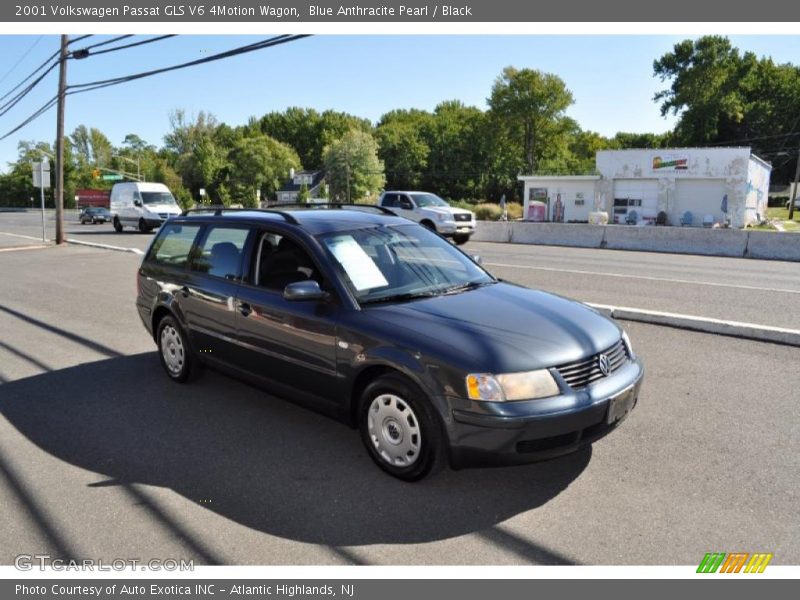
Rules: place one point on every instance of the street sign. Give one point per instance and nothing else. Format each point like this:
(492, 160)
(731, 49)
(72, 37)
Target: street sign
(112, 177)
(41, 173)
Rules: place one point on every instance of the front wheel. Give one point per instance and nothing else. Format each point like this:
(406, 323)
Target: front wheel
(117, 225)
(143, 226)
(174, 351)
(400, 429)
(461, 239)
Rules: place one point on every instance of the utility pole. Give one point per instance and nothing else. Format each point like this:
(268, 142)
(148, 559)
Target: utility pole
(348, 181)
(793, 193)
(62, 88)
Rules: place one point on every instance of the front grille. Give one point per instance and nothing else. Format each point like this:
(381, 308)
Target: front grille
(582, 372)
(463, 217)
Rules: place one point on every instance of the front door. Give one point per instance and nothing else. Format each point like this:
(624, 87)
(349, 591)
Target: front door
(289, 343)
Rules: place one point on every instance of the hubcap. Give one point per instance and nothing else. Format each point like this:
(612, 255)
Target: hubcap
(394, 430)
(172, 349)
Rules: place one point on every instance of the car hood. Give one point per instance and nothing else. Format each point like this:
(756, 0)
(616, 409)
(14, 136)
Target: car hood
(163, 208)
(444, 210)
(502, 327)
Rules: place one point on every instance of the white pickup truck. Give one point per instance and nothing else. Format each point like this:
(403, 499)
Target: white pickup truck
(431, 211)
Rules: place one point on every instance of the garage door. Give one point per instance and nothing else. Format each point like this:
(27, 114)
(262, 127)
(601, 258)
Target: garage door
(640, 195)
(700, 197)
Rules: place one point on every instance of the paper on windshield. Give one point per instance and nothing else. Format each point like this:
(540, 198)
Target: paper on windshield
(361, 269)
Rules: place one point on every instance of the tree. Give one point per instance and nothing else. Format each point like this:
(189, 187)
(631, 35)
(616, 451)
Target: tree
(261, 163)
(709, 81)
(302, 194)
(353, 168)
(529, 106)
(402, 138)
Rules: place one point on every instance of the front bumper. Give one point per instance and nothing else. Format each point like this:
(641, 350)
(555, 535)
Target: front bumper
(491, 433)
(456, 227)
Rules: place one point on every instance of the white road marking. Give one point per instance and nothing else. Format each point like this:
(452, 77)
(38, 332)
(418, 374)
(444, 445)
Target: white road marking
(27, 237)
(15, 248)
(646, 278)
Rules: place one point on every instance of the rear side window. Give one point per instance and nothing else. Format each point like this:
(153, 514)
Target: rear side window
(173, 244)
(389, 200)
(220, 254)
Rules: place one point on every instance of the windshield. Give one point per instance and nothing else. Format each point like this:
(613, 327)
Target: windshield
(157, 198)
(399, 263)
(423, 200)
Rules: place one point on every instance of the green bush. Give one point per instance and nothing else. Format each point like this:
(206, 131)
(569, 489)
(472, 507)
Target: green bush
(486, 211)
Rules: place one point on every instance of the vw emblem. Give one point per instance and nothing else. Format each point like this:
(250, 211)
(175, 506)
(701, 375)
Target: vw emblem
(602, 363)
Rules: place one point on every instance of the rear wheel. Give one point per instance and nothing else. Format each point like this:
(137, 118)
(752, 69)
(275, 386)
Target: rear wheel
(399, 428)
(117, 225)
(174, 351)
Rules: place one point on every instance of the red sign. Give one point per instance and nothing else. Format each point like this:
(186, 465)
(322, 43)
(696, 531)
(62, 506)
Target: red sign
(93, 198)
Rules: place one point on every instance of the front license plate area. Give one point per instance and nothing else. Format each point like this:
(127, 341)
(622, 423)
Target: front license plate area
(620, 405)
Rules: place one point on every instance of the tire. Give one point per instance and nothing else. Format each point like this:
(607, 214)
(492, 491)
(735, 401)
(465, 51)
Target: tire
(460, 239)
(174, 351)
(117, 225)
(400, 429)
(143, 226)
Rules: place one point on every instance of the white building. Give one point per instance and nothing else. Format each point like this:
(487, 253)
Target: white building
(634, 186)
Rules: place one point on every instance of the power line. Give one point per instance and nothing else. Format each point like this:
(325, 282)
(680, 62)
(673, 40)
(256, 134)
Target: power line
(282, 39)
(21, 58)
(93, 85)
(105, 42)
(125, 46)
(40, 67)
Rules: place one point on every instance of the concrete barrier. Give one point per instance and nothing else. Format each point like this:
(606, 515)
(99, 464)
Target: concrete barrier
(558, 234)
(774, 245)
(492, 231)
(680, 240)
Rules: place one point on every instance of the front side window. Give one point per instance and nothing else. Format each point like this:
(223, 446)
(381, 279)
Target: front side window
(221, 252)
(280, 261)
(154, 198)
(424, 200)
(173, 244)
(385, 264)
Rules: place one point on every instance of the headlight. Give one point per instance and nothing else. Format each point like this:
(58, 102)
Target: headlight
(627, 341)
(512, 386)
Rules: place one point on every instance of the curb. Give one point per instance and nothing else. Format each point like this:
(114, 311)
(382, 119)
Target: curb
(737, 329)
(104, 246)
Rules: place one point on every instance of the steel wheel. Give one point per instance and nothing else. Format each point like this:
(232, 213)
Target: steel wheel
(172, 350)
(394, 430)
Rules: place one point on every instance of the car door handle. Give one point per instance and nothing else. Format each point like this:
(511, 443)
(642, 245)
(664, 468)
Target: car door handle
(244, 308)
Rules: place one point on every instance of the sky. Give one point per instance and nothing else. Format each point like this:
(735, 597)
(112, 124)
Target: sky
(610, 78)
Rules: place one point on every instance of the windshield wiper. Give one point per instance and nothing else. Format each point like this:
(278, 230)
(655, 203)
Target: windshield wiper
(400, 297)
(463, 287)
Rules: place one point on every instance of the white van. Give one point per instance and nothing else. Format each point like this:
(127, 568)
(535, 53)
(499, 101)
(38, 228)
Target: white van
(141, 205)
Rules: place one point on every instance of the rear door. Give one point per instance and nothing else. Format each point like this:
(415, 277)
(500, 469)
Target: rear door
(208, 294)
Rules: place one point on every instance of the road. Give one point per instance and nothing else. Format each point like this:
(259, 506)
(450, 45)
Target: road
(734, 289)
(102, 457)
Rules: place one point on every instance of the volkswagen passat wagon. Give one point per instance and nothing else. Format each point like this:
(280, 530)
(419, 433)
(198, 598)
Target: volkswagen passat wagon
(385, 325)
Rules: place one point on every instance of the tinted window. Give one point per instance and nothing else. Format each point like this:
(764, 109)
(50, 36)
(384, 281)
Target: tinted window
(173, 244)
(220, 254)
(389, 200)
(280, 261)
(157, 198)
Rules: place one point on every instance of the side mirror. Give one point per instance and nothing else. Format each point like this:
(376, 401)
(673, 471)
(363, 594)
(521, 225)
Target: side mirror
(477, 258)
(304, 290)
(137, 202)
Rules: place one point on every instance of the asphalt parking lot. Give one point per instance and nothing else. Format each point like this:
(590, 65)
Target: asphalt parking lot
(101, 456)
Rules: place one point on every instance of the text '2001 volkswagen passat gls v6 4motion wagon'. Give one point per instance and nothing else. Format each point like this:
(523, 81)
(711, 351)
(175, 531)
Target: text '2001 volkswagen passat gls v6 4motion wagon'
(384, 324)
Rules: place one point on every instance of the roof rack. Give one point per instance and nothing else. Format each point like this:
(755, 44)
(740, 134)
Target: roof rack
(328, 205)
(218, 210)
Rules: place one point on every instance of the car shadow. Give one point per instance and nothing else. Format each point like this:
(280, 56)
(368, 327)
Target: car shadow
(262, 462)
